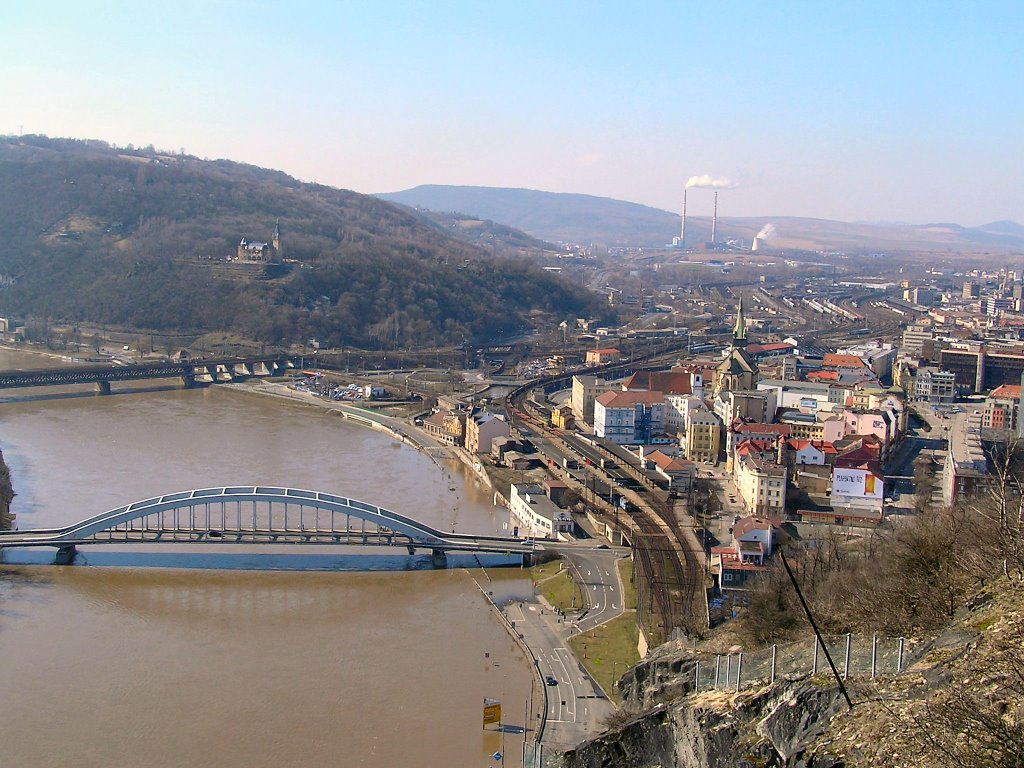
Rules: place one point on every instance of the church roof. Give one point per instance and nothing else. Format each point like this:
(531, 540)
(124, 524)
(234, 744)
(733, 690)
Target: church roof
(738, 362)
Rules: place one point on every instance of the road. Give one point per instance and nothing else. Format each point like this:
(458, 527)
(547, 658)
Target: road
(576, 706)
(595, 571)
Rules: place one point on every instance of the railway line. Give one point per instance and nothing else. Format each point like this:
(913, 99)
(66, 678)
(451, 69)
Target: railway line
(670, 586)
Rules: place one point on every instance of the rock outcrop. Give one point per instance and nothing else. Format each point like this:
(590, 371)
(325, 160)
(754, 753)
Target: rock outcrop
(763, 728)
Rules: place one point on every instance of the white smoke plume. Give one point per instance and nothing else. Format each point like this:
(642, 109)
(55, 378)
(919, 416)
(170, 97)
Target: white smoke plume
(767, 231)
(709, 182)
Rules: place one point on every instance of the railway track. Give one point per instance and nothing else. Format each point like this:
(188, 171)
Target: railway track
(669, 582)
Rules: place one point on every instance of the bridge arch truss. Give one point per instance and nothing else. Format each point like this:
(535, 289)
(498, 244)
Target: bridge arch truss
(251, 514)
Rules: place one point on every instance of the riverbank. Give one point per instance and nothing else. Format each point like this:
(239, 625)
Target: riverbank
(396, 428)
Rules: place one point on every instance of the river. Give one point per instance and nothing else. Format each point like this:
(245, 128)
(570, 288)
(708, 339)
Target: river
(134, 666)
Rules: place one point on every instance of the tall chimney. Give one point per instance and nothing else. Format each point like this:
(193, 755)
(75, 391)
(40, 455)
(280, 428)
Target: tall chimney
(714, 218)
(682, 232)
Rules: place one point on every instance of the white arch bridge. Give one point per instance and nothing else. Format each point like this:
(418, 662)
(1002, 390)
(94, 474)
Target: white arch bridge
(243, 514)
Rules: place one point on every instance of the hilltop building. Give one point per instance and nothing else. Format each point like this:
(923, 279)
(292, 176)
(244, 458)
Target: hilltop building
(251, 250)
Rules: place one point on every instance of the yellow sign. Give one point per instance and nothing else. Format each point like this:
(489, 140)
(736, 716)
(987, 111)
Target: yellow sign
(492, 711)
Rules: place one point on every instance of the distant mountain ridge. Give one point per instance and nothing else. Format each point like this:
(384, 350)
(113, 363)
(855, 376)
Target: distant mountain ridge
(586, 219)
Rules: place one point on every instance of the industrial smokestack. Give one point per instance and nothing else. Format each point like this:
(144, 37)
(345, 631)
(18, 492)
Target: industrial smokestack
(682, 232)
(714, 219)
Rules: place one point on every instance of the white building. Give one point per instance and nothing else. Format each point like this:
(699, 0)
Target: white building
(629, 417)
(535, 515)
(762, 485)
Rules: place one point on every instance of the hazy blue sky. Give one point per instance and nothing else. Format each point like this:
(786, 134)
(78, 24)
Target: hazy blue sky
(895, 110)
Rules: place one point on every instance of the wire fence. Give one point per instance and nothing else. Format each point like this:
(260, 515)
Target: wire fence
(852, 655)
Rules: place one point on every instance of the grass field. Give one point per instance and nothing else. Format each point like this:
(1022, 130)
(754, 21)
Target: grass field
(552, 580)
(608, 651)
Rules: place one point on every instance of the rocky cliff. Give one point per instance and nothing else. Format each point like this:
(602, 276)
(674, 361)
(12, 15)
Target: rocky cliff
(960, 701)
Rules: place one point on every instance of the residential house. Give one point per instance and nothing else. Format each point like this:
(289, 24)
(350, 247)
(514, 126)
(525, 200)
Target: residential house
(447, 427)
(481, 428)
(753, 542)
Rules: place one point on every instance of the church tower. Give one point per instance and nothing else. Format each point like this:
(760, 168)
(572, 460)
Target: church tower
(277, 240)
(738, 370)
(739, 331)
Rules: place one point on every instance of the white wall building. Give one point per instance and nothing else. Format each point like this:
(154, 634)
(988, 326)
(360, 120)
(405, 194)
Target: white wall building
(535, 514)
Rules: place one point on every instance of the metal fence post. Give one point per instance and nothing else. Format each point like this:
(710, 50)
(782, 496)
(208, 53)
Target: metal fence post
(899, 658)
(728, 668)
(814, 664)
(739, 670)
(874, 655)
(846, 668)
(718, 668)
(775, 648)
(696, 675)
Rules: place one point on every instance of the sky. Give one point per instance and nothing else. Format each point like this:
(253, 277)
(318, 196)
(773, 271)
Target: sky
(858, 111)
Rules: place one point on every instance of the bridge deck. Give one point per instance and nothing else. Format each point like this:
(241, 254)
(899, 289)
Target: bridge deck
(259, 515)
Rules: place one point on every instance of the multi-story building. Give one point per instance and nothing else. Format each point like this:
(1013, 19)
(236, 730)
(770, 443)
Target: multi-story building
(703, 440)
(993, 306)
(978, 368)
(966, 464)
(817, 425)
(934, 386)
(917, 340)
(761, 484)
(482, 428)
(602, 356)
(584, 390)
(536, 515)
(747, 405)
(629, 417)
(1001, 407)
(446, 427)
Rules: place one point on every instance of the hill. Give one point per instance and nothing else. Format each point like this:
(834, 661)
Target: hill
(145, 240)
(586, 219)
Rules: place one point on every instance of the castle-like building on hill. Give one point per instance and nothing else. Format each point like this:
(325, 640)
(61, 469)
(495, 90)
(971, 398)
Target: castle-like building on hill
(250, 250)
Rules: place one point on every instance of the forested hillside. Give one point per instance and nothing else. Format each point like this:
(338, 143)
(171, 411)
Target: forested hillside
(142, 240)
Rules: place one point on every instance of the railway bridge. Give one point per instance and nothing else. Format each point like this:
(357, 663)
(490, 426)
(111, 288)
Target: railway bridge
(259, 515)
(190, 372)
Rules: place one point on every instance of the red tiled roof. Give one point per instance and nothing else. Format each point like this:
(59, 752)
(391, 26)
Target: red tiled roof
(836, 360)
(619, 399)
(751, 523)
(669, 382)
(1006, 391)
(755, 349)
(822, 445)
(757, 428)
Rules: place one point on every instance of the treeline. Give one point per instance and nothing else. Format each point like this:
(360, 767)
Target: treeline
(100, 235)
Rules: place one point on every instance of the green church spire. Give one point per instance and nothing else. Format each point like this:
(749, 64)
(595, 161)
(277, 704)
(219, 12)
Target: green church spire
(739, 331)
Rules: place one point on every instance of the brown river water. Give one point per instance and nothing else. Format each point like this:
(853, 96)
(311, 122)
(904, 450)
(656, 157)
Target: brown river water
(134, 665)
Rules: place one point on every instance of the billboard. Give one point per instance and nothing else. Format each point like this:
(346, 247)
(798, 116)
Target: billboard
(856, 483)
(492, 711)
